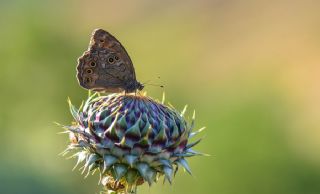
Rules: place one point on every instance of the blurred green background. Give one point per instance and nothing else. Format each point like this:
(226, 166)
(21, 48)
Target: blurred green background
(251, 69)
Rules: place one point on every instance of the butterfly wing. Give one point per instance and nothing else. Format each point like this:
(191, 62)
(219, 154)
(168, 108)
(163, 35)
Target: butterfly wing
(105, 66)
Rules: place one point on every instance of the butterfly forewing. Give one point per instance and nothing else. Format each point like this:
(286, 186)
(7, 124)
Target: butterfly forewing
(106, 66)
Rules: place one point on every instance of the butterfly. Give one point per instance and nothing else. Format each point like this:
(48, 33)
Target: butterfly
(106, 66)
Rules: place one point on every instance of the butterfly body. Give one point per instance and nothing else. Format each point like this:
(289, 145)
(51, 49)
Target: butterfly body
(106, 66)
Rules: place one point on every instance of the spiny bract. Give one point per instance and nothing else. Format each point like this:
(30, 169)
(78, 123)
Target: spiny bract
(130, 139)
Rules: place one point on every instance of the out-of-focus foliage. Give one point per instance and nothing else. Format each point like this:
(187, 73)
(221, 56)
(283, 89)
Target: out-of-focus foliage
(249, 68)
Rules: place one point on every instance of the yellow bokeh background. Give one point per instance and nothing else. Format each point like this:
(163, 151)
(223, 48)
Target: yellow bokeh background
(250, 69)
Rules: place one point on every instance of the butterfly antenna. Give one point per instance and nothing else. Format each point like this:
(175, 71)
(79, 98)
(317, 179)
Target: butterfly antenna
(158, 85)
(144, 83)
(152, 84)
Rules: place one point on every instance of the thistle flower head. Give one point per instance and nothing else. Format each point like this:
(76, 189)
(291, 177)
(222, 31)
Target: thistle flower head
(130, 139)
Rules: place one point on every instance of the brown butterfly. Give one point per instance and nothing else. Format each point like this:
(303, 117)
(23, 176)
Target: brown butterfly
(106, 66)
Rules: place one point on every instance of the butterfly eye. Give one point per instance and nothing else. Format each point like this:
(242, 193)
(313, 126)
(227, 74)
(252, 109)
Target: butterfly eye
(93, 64)
(111, 60)
(116, 58)
(89, 71)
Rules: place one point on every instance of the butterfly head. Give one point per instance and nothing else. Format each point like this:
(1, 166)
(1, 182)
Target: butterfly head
(134, 85)
(139, 86)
